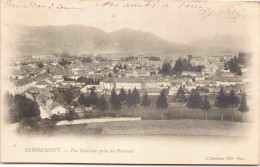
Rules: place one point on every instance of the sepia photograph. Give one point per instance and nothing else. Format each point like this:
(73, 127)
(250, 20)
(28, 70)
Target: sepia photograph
(130, 82)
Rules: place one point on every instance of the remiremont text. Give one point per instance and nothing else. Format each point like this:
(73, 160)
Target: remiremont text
(51, 149)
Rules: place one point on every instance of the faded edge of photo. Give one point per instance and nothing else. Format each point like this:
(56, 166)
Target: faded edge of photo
(132, 149)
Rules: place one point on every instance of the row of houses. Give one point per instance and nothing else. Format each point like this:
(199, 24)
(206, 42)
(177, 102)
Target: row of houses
(152, 85)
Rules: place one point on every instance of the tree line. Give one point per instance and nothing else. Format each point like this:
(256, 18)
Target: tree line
(22, 110)
(180, 66)
(86, 80)
(223, 101)
(234, 64)
(132, 98)
(193, 101)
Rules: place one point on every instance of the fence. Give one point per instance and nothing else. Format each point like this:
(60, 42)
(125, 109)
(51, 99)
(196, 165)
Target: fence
(95, 120)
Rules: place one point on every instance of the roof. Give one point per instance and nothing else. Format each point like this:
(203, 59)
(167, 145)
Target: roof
(48, 94)
(206, 82)
(54, 105)
(199, 76)
(37, 78)
(67, 86)
(42, 98)
(225, 78)
(108, 80)
(127, 79)
(42, 83)
(51, 80)
(121, 79)
(190, 72)
(34, 89)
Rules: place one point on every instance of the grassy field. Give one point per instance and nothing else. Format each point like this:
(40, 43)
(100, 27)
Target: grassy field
(150, 127)
(174, 111)
(193, 123)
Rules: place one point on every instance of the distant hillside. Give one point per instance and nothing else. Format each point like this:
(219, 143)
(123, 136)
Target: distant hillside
(220, 43)
(83, 38)
(72, 38)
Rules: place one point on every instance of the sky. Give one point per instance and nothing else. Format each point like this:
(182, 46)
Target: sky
(179, 22)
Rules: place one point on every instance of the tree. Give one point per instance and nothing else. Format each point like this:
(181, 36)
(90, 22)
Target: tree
(115, 69)
(135, 98)
(166, 69)
(88, 101)
(94, 98)
(82, 99)
(162, 102)
(71, 115)
(122, 95)
(180, 97)
(194, 100)
(55, 118)
(21, 107)
(221, 100)
(234, 65)
(178, 67)
(102, 104)
(114, 100)
(145, 101)
(33, 122)
(243, 107)
(129, 98)
(40, 65)
(233, 101)
(205, 105)
(68, 96)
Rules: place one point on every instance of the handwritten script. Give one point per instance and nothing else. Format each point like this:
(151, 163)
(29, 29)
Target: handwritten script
(232, 12)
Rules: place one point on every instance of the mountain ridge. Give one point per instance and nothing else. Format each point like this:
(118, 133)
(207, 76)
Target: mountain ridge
(73, 38)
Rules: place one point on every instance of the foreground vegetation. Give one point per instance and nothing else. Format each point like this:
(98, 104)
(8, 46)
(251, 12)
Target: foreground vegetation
(148, 127)
(181, 106)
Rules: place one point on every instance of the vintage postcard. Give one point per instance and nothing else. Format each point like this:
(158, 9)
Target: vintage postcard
(130, 82)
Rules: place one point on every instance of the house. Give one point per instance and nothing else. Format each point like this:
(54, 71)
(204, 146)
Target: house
(107, 84)
(21, 87)
(127, 83)
(206, 83)
(156, 84)
(47, 93)
(199, 77)
(190, 73)
(58, 78)
(51, 81)
(153, 91)
(42, 84)
(29, 95)
(183, 81)
(57, 109)
(173, 90)
(190, 86)
(137, 73)
(52, 107)
(67, 86)
(150, 84)
(34, 90)
(41, 99)
(73, 83)
(227, 81)
(164, 83)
